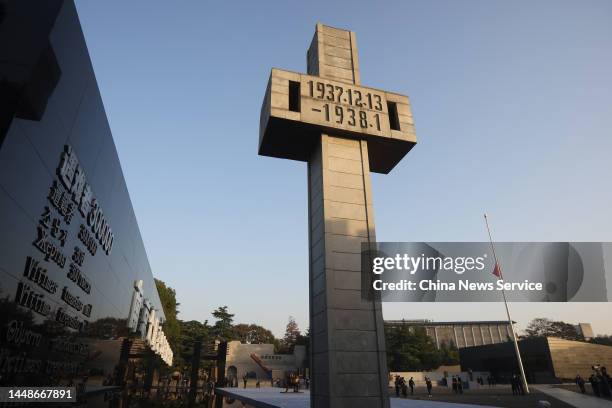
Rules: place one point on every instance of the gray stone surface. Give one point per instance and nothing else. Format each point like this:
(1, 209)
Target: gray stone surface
(273, 398)
(348, 373)
(292, 134)
(573, 398)
(262, 360)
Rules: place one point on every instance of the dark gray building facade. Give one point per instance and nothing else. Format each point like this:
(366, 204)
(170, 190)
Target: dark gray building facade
(545, 359)
(74, 272)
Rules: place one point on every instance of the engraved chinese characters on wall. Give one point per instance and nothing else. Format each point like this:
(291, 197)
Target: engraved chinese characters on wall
(74, 180)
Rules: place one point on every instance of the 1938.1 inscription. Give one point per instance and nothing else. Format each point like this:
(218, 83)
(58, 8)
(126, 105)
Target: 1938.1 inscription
(344, 106)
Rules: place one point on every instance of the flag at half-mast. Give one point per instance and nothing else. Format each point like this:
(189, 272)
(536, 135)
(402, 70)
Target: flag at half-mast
(497, 271)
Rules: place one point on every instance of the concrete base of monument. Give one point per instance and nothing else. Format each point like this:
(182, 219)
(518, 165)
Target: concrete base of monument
(274, 398)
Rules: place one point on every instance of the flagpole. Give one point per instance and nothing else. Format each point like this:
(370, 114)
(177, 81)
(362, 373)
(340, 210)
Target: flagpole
(516, 347)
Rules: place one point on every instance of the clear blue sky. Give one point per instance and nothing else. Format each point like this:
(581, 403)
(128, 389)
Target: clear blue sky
(512, 103)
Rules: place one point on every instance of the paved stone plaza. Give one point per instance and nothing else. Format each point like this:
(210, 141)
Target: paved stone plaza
(574, 398)
(497, 397)
(273, 398)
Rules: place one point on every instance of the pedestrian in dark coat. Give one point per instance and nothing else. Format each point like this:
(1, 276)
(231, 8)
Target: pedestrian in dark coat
(580, 382)
(397, 385)
(604, 383)
(594, 384)
(429, 386)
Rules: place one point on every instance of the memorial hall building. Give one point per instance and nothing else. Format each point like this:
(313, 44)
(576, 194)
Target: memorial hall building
(461, 333)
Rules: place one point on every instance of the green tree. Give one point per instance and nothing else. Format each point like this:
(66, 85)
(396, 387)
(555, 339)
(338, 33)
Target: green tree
(429, 354)
(291, 337)
(538, 327)
(542, 327)
(191, 332)
(449, 354)
(566, 331)
(222, 328)
(193, 329)
(172, 328)
(401, 352)
(604, 340)
(253, 334)
(411, 349)
(304, 339)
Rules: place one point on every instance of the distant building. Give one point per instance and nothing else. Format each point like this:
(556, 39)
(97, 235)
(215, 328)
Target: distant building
(585, 330)
(259, 361)
(545, 359)
(461, 334)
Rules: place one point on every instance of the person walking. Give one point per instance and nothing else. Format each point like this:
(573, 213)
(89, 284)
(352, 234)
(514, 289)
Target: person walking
(404, 387)
(296, 383)
(454, 384)
(411, 385)
(429, 386)
(459, 385)
(604, 383)
(519, 385)
(594, 384)
(580, 382)
(397, 386)
(244, 379)
(513, 384)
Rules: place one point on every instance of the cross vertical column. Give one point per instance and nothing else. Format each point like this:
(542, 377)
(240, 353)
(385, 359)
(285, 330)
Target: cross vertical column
(348, 360)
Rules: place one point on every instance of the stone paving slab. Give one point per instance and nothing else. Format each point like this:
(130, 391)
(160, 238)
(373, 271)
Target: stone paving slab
(273, 398)
(574, 398)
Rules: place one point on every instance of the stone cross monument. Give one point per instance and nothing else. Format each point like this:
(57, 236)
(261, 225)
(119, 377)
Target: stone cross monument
(343, 131)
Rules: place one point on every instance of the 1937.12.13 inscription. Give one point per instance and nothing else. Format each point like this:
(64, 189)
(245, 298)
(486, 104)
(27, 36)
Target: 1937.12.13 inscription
(346, 106)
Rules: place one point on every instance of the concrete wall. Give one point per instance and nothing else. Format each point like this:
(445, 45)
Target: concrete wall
(546, 360)
(239, 356)
(574, 357)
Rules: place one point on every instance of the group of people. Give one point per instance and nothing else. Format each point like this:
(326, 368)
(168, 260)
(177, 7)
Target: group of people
(490, 381)
(457, 384)
(401, 386)
(292, 380)
(245, 380)
(600, 380)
